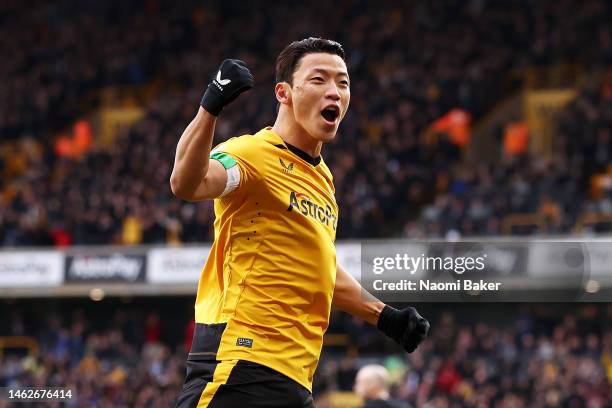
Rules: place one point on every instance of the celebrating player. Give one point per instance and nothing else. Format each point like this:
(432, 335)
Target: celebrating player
(265, 293)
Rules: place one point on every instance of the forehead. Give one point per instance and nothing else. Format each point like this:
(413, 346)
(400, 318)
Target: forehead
(320, 61)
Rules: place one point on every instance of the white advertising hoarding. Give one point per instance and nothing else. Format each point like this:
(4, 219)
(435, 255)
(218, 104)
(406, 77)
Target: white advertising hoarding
(31, 269)
(176, 265)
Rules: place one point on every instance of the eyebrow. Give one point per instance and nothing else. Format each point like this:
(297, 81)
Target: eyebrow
(326, 72)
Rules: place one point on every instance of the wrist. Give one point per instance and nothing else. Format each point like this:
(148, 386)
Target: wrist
(386, 318)
(378, 307)
(205, 115)
(212, 101)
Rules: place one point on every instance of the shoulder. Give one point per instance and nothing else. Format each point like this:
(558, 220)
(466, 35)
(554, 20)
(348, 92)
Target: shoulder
(243, 157)
(326, 173)
(324, 169)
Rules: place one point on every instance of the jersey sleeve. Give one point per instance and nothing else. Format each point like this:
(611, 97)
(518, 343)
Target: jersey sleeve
(237, 156)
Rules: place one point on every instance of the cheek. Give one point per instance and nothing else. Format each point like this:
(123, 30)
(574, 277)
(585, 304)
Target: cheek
(345, 105)
(304, 106)
(346, 99)
(299, 108)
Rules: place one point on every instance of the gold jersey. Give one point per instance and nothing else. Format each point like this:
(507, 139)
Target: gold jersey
(266, 290)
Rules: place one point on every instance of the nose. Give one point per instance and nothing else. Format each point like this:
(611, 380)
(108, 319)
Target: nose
(332, 92)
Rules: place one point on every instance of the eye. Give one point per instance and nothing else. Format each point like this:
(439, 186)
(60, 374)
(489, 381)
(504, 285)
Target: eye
(318, 79)
(344, 82)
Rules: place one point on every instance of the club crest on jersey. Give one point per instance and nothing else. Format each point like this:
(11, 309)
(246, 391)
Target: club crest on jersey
(286, 168)
(304, 205)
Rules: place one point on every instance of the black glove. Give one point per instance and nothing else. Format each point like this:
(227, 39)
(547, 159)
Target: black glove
(231, 80)
(407, 327)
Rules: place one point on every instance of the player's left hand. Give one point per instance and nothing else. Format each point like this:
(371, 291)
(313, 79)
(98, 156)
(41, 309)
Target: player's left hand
(407, 327)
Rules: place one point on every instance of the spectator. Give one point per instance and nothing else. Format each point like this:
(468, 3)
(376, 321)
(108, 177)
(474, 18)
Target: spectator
(372, 384)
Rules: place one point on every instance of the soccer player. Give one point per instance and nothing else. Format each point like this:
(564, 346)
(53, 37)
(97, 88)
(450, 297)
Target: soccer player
(265, 293)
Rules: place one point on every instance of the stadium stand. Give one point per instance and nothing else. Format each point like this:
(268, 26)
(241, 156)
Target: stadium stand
(390, 182)
(399, 172)
(531, 355)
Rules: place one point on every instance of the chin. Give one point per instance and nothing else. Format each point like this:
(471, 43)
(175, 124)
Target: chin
(325, 135)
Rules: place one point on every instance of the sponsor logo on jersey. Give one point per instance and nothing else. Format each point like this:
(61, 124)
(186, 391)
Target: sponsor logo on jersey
(286, 168)
(304, 205)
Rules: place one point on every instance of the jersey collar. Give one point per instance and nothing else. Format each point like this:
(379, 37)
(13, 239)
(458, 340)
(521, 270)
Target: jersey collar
(281, 144)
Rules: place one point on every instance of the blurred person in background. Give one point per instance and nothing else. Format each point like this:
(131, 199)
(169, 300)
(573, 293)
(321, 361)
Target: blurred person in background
(372, 384)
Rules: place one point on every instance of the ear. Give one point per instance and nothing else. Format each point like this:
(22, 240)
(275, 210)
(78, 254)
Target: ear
(283, 93)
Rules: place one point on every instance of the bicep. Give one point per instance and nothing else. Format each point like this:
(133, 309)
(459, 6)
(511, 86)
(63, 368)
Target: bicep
(213, 184)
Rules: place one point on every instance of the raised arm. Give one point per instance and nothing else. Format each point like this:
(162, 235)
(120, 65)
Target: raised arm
(405, 326)
(195, 177)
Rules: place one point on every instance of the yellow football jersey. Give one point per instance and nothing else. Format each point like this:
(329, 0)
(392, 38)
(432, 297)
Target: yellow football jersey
(266, 290)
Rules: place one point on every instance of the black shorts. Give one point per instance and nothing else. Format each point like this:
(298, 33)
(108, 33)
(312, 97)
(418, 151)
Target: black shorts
(239, 384)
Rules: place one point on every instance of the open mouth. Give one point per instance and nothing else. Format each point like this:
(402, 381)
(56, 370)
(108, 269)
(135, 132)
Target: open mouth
(330, 113)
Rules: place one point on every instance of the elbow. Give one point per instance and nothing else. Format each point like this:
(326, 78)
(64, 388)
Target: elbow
(178, 188)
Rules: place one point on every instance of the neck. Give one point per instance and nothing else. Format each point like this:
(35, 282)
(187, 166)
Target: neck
(286, 127)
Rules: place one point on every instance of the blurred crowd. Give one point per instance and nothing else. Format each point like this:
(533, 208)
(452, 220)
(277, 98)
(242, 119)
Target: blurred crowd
(56, 56)
(530, 355)
(122, 361)
(410, 63)
(561, 188)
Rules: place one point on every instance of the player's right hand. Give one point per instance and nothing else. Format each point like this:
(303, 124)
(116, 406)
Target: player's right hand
(232, 78)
